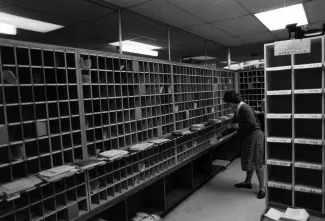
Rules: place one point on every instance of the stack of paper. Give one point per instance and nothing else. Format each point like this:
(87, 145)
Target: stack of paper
(230, 115)
(113, 154)
(14, 188)
(181, 132)
(146, 217)
(197, 127)
(57, 173)
(141, 146)
(289, 215)
(295, 215)
(86, 164)
(214, 121)
(223, 118)
(159, 141)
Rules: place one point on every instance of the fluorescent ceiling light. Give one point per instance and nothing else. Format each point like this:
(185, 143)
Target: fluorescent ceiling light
(27, 23)
(279, 18)
(202, 58)
(7, 29)
(138, 48)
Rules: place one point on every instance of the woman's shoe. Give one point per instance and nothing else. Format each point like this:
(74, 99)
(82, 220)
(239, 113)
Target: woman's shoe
(260, 194)
(244, 185)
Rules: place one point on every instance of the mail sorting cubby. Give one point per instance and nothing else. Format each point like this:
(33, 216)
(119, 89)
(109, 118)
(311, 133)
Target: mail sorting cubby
(65, 199)
(279, 127)
(178, 185)
(156, 99)
(39, 106)
(150, 200)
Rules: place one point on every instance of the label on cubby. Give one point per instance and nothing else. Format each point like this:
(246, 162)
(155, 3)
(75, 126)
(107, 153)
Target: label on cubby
(306, 66)
(278, 116)
(278, 68)
(309, 141)
(278, 140)
(308, 116)
(279, 163)
(296, 46)
(308, 91)
(308, 166)
(306, 189)
(279, 185)
(284, 92)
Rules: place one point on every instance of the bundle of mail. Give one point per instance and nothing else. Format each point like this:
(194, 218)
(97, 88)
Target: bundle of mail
(113, 154)
(223, 118)
(181, 132)
(90, 163)
(141, 146)
(57, 173)
(145, 217)
(289, 215)
(14, 188)
(197, 127)
(159, 141)
(214, 121)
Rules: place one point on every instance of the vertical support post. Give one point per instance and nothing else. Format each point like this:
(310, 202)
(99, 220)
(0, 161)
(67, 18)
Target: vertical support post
(205, 52)
(229, 58)
(168, 33)
(120, 29)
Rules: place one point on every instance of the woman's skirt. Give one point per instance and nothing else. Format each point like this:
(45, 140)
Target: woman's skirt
(252, 151)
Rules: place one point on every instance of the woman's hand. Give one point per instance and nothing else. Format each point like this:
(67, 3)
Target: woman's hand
(233, 126)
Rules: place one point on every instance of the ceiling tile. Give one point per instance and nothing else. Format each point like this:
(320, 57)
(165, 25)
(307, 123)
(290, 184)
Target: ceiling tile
(72, 9)
(245, 25)
(208, 31)
(211, 10)
(256, 6)
(231, 41)
(125, 3)
(315, 11)
(167, 13)
(259, 38)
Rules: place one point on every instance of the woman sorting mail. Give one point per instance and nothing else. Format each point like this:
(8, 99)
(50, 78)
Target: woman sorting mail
(251, 141)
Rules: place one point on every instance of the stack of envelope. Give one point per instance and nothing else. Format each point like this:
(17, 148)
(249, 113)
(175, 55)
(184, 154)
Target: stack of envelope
(113, 154)
(181, 132)
(141, 146)
(9, 190)
(214, 121)
(159, 141)
(57, 173)
(90, 163)
(197, 127)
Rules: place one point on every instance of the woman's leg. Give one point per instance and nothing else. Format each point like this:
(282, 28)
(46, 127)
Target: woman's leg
(260, 177)
(249, 175)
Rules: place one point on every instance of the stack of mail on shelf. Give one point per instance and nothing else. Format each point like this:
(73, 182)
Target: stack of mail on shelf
(181, 132)
(214, 121)
(57, 173)
(197, 127)
(21, 185)
(113, 154)
(141, 146)
(90, 163)
(159, 141)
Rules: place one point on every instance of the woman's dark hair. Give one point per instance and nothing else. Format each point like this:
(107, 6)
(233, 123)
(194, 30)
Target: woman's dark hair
(232, 97)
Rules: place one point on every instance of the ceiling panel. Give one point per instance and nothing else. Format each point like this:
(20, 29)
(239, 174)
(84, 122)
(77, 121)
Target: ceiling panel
(208, 31)
(231, 41)
(245, 25)
(79, 10)
(126, 3)
(315, 11)
(259, 38)
(167, 13)
(211, 10)
(256, 6)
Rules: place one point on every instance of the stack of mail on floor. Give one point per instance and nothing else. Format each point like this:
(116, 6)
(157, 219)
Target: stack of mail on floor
(57, 173)
(159, 141)
(113, 154)
(181, 132)
(197, 127)
(14, 188)
(141, 146)
(289, 215)
(145, 217)
(90, 163)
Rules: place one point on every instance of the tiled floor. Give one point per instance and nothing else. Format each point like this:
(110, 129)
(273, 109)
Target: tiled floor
(218, 200)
